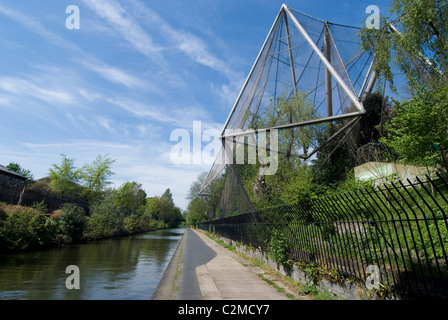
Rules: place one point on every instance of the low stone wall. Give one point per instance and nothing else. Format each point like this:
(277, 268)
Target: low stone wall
(348, 291)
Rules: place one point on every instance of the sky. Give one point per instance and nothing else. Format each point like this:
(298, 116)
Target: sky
(131, 74)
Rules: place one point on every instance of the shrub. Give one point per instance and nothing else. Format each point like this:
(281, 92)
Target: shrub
(72, 222)
(105, 220)
(131, 224)
(28, 229)
(278, 247)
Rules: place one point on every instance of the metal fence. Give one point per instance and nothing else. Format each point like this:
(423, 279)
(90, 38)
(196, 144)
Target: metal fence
(399, 228)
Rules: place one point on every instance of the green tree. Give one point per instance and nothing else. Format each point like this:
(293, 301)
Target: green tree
(423, 31)
(196, 186)
(195, 212)
(129, 197)
(17, 168)
(106, 219)
(419, 132)
(168, 212)
(167, 194)
(289, 110)
(65, 177)
(152, 208)
(95, 177)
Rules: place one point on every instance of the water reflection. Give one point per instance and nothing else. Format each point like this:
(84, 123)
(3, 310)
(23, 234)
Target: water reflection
(124, 268)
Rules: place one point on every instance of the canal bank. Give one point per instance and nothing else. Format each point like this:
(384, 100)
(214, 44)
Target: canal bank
(125, 268)
(201, 269)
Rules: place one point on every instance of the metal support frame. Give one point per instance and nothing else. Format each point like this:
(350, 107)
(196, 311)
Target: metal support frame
(328, 85)
(293, 71)
(330, 68)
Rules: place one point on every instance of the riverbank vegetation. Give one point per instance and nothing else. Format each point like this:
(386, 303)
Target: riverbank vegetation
(111, 212)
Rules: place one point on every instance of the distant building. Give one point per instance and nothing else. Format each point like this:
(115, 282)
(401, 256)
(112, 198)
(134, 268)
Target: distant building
(10, 177)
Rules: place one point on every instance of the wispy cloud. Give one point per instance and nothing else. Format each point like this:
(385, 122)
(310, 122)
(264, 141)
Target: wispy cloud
(126, 26)
(28, 87)
(191, 45)
(35, 26)
(112, 74)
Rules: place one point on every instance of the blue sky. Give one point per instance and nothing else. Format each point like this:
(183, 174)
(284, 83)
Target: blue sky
(134, 72)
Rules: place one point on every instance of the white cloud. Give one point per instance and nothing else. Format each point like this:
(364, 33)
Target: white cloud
(35, 26)
(28, 87)
(194, 47)
(113, 74)
(126, 26)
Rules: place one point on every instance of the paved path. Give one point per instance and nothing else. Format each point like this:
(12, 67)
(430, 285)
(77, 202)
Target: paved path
(224, 278)
(201, 269)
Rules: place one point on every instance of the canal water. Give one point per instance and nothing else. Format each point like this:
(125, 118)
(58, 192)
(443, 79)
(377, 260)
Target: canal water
(127, 268)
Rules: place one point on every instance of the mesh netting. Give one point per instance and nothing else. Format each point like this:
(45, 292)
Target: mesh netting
(308, 74)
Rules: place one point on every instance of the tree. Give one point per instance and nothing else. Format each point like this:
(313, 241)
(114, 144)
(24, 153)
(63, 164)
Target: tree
(106, 219)
(419, 132)
(167, 194)
(371, 124)
(17, 168)
(152, 207)
(420, 49)
(129, 197)
(65, 177)
(96, 177)
(169, 213)
(196, 186)
(288, 110)
(195, 212)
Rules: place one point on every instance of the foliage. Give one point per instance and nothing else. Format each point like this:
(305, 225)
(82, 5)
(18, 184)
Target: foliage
(195, 212)
(96, 177)
(65, 177)
(28, 229)
(289, 110)
(419, 131)
(423, 30)
(371, 125)
(72, 222)
(168, 212)
(17, 168)
(129, 197)
(113, 212)
(278, 247)
(105, 220)
(89, 181)
(196, 186)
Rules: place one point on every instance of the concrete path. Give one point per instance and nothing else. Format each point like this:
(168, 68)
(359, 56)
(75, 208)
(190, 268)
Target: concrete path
(201, 269)
(224, 278)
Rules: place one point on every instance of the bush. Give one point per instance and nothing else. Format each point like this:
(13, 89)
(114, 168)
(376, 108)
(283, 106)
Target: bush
(105, 220)
(278, 247)
(72, 222)
(131, 224)
(28, 229)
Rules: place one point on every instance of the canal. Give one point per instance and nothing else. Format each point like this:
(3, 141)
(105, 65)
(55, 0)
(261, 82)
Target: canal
(127, 268)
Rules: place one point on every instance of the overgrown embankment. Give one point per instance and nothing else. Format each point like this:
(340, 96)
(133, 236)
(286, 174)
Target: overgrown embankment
(31, 228)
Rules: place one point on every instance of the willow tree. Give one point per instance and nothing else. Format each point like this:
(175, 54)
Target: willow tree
(289, 109)
(414, 37)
